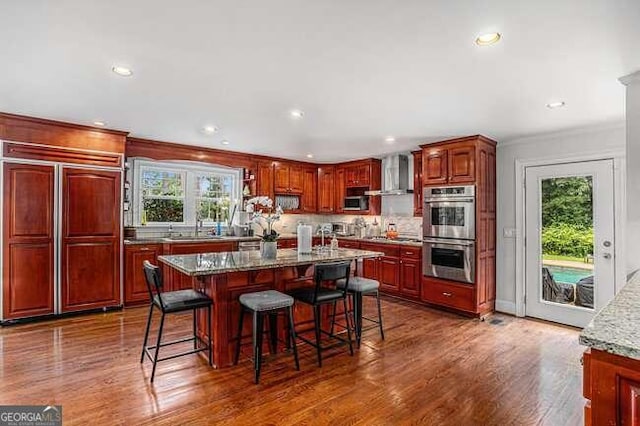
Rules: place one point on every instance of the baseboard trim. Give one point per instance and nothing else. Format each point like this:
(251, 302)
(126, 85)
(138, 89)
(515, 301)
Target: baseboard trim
(506, 306)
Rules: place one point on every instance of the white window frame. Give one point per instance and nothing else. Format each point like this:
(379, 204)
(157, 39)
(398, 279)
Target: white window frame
(190, 171)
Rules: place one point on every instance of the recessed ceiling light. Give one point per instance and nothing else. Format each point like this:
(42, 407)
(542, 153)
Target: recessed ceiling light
(488, 39)
(554, 105)
(296, 113)
(390, 139)
(309, 155)
(99, 123)
(225, 142)
(209, 129)
(122, 71)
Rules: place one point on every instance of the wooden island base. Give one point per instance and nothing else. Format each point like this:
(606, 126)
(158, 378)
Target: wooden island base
(226, 288)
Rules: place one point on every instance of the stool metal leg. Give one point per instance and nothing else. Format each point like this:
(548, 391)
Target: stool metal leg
(258, 330)
(238, 335)
(379, 314)
(273, 332)
(316, 320)
(333, 317)
(357, 314)
(146, 333)
(155, 355)
(346, 318)
(292, 334)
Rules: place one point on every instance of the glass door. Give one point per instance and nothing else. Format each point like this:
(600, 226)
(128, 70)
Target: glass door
(569, 240)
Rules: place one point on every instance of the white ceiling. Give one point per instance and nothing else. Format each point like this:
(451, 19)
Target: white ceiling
(361, 70)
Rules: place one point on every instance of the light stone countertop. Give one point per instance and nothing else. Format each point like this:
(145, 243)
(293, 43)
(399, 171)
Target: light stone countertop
(616, 328)
(219, 263)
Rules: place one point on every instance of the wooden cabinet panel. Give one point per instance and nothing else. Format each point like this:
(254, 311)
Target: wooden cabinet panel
(135, 285)
(90, 239)
(434, 166)
(390, 274)
(28, 280)
(410, 277)
(341, 189)
(462, 164)
(28, 238)
(296, 179)
(326, 189)
(348, 244)
(89, 278)
(364, 175)
(441, 292)
(370, 268)
(287, 243)
(417, 183)
(264, 184)
(92, 203)
(310, 191)
(281, 178)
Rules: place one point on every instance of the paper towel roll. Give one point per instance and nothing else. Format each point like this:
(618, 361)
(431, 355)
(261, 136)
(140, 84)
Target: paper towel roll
(304, 239)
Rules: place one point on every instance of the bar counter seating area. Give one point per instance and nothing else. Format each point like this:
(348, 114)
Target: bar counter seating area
(242, 281)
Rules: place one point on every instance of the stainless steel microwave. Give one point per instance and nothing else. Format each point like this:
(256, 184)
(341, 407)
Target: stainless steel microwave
(359, 203)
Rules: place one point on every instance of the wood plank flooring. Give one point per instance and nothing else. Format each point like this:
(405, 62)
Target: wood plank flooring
(434, 368)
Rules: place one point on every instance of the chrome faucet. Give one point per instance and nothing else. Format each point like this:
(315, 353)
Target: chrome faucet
(198, 224)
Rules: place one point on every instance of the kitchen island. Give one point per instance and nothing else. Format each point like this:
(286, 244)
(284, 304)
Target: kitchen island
(611, 380)
(225, 276)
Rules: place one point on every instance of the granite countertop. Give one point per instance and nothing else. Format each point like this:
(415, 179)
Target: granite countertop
(405, 242)
(616, 328)
(220, 263)
(162, 240)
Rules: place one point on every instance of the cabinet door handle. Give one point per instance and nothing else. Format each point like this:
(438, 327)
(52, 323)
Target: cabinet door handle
(144, 249)
(447, 294)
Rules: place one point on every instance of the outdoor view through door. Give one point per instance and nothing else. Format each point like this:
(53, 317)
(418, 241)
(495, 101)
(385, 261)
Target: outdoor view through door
(569, 230)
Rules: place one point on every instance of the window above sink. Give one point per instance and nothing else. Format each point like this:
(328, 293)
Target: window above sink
(176, 193)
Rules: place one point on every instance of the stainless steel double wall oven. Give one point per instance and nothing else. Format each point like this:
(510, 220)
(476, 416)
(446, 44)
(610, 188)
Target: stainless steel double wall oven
(449, 231)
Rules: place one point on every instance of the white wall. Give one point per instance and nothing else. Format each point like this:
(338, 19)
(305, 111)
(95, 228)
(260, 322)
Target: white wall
(556, 146)
(633, 171)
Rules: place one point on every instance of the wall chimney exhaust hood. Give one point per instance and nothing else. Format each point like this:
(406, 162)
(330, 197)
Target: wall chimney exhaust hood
(395, 176)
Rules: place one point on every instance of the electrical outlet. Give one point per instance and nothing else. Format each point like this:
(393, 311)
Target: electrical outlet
(509, 232)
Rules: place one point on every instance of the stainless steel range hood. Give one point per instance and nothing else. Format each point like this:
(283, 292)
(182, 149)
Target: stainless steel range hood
(395, 176)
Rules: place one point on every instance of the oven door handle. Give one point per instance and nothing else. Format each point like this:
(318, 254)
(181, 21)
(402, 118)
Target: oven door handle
(449, 201)
(450, 243)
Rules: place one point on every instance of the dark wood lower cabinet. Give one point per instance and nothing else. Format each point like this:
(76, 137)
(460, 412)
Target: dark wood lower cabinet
(135, 288)
(389, 274)
(611, 384)
(410, 278)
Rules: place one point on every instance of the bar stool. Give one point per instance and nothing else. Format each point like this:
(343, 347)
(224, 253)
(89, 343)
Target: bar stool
(172, 302)
(262, 303)
(320, 295)
(357, 287)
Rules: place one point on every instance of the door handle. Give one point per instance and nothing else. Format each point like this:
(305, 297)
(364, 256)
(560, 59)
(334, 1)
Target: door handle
(607, 255)
(447, 294)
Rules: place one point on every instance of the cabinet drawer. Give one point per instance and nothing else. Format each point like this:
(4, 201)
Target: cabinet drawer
(390, 250)
(411, 252)
(454, 295)
(349, 244)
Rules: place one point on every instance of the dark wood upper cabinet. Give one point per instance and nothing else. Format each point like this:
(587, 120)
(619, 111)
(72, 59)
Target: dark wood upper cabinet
(288, 178)
(462, 164)
(310, 190)
(434, 166)
(358, 175)
(417, 183)
(326, 189)
(28, 240)
(264, 184)
(90, 249)
(341, 189)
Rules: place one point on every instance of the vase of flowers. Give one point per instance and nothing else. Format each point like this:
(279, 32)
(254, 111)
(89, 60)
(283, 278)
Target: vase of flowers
(265, 220)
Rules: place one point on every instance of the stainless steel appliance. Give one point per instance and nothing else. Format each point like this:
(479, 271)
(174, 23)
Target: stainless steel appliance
(340, 228)
(358, 203)
(449, 212)
(449, 259)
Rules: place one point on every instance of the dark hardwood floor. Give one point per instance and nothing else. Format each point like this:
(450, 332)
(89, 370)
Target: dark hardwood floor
(433, 368)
